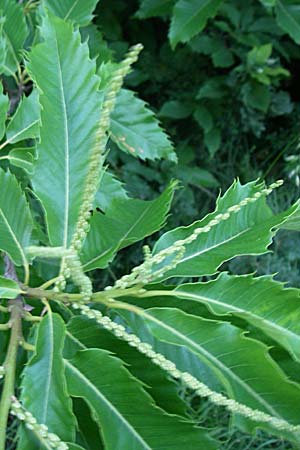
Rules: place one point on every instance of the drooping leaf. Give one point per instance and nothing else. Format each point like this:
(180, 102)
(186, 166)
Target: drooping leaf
(26, 120)
(110, 188)
(70, 112)
(88, 430)
(154, 8)
(15, 222)
(242, 365)
(77, 11)
(288, 17)
(43, 388)
(136, 131)
(125, 221)
(23, 158)
(14, 33)
(293, 222)
(124, 406)
(190, 17)
(9, 288)
(4, 104)
(262, 302)
(246, 232)
(83, 334)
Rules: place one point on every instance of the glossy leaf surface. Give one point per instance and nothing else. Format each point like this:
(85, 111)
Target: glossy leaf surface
(135, 129)
(15, 222)
(247, 232)
(190, 17)
(125, 221)
(110, 188)
(43, 386)
(242, 365)
(76, 11)
(9, 288)
(70, 111)
(14, 34)
(25, 122)
(83, 334)
(262, 302)
(125, 406)
(288, 17)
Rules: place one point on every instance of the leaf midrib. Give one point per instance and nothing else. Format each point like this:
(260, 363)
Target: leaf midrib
(214, 360)
(14, 237)
(104, 399)
(235, 310)
(10, 139)
(191, 18)
(66, 146)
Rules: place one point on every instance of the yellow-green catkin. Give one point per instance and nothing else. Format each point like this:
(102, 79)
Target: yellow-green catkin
(41, 431)
(144, 273)
(97, 155)
(95, 165)
(189, 380)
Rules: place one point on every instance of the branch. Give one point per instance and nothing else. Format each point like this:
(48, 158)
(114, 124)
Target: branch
(16, 312)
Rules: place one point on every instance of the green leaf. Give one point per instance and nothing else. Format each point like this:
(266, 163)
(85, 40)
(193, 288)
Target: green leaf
(213, 88)
(222, 57)
(14, 32)
(196, 177)
(242, 365)
(259, 55)
(72, 446)
(4, 104)
(175, 109)
(257, 95)
(136, 131)
(262, 302)
(97, 45)
(190, 17)
(288, 17)
(85, 334)
(154, 8)
(204, 118)
(268, 3)
(70, 113)
(88, 430)
(212, 140)
(9, 288)
(110, 188)
(124, 406)
(246, 232)
(23, 158)
(293, 222)
(77, 11)
(43, 387)
(26, 121)
(125, 221)
(15, 222)
(3, 47)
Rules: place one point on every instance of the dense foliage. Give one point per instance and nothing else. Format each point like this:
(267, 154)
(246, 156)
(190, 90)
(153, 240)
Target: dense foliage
(93, 358)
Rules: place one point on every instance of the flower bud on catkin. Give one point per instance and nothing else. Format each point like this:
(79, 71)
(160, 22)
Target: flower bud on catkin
(40, 430)
(189, 380)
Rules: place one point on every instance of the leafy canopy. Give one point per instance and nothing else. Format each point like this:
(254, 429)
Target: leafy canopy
(95, 360)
